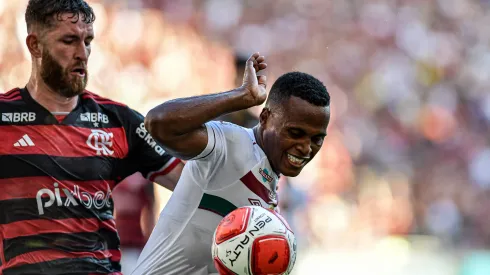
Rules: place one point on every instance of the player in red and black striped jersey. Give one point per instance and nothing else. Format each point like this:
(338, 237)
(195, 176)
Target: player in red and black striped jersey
(56, 178)
(62, 151)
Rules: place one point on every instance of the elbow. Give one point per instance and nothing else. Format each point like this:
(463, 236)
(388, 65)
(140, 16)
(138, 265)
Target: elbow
(156, 123)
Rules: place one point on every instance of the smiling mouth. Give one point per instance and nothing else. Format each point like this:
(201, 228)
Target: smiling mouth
(297, 161)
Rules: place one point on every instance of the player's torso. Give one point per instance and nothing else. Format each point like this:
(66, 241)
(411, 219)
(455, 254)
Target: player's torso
(38, 152)
(255, 185)
(206, 192)
(57, 170)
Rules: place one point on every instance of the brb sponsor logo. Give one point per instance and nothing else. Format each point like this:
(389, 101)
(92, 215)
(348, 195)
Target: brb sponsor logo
(101, 142)
(142, 133)
(94, 117)
(72, 197)
(19, 117)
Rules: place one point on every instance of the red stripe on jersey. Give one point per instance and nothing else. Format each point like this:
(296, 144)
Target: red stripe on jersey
(10, 95)
(257, 187)
(86, 92)
(63, 140)
(99, 99)
(51, 255)
(60, 118)
(14, 91)
(28, 187)
(96, 95)
(41, 226)
(11, 99)
(116, 255)
(165, 169)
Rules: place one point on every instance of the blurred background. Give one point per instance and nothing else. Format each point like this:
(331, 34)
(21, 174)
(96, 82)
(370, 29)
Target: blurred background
(401, 185)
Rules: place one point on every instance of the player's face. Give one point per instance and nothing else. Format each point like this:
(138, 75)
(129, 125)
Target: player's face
(294, 135)
(65, 54)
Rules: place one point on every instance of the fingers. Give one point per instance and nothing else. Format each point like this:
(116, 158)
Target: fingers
(254, 56)
(257, 61)
(262, 66)
(262, 80)
(252, 60)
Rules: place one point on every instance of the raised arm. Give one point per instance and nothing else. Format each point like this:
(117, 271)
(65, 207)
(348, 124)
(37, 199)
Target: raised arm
(179, 124)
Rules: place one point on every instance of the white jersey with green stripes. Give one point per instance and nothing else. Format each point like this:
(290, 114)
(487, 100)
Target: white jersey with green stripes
(231, 172)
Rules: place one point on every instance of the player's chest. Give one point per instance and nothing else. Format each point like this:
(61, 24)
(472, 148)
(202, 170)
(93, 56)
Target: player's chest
(63, 141)
(251, 191)
(255, 187)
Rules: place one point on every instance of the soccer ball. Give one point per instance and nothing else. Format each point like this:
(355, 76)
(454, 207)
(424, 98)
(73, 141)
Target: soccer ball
(253, 240)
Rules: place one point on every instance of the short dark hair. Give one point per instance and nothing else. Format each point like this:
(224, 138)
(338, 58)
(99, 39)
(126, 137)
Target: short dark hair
(41, 12)
(301, 85)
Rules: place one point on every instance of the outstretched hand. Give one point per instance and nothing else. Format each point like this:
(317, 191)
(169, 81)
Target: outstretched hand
(255, 85)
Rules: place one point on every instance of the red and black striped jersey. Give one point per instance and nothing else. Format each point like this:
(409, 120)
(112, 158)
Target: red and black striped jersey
(56, 177)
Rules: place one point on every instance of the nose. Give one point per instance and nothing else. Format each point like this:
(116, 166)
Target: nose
(82, 52)
(304, 147)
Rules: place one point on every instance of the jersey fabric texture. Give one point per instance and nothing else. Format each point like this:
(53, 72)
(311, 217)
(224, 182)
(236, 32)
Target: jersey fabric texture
(231, 172)
(56, 177)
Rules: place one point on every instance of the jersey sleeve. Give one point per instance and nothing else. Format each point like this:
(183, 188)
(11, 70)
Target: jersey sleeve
(145, 154)
(216, 146)
(222, 154)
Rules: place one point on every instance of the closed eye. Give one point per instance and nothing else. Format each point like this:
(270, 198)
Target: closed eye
(68, 39)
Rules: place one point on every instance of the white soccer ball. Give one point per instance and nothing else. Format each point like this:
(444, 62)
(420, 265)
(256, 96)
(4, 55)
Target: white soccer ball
(253, 240)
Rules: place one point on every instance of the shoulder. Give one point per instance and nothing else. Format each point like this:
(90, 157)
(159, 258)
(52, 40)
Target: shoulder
(11, 103)
(87, 95)
(234, 136)
(10, 96)
(229, 129)
(112, 106)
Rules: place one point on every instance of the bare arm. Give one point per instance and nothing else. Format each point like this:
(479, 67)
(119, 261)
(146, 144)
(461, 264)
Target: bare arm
(179, 124)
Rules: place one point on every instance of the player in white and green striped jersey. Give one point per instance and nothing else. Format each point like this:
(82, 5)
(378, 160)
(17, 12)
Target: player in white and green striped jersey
(229, 166)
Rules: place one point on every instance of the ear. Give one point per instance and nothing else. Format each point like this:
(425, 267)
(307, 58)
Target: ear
(34, 45)
(264, 116)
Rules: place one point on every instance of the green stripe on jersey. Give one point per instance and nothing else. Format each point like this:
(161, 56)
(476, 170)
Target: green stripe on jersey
(216, 204)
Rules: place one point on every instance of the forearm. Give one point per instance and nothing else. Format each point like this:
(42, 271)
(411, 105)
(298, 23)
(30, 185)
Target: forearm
(181, 116)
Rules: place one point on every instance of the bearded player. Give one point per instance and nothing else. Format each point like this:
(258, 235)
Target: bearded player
(230, 166)
(63, 150)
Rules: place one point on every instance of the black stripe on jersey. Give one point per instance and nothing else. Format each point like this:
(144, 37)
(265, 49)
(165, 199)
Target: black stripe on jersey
(216, 205)
(103, 239)
(27, 209)
(80, 168)
(66, 267)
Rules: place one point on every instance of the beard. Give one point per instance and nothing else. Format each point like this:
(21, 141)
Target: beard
(60, 80)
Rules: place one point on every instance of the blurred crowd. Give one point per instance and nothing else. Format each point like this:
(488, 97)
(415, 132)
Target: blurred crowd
(408, 149)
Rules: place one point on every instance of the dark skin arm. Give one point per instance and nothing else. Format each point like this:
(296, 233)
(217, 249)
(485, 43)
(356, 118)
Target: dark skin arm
(179, 124)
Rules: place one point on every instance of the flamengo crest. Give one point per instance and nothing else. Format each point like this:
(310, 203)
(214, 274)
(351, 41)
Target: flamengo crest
(101, 142)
